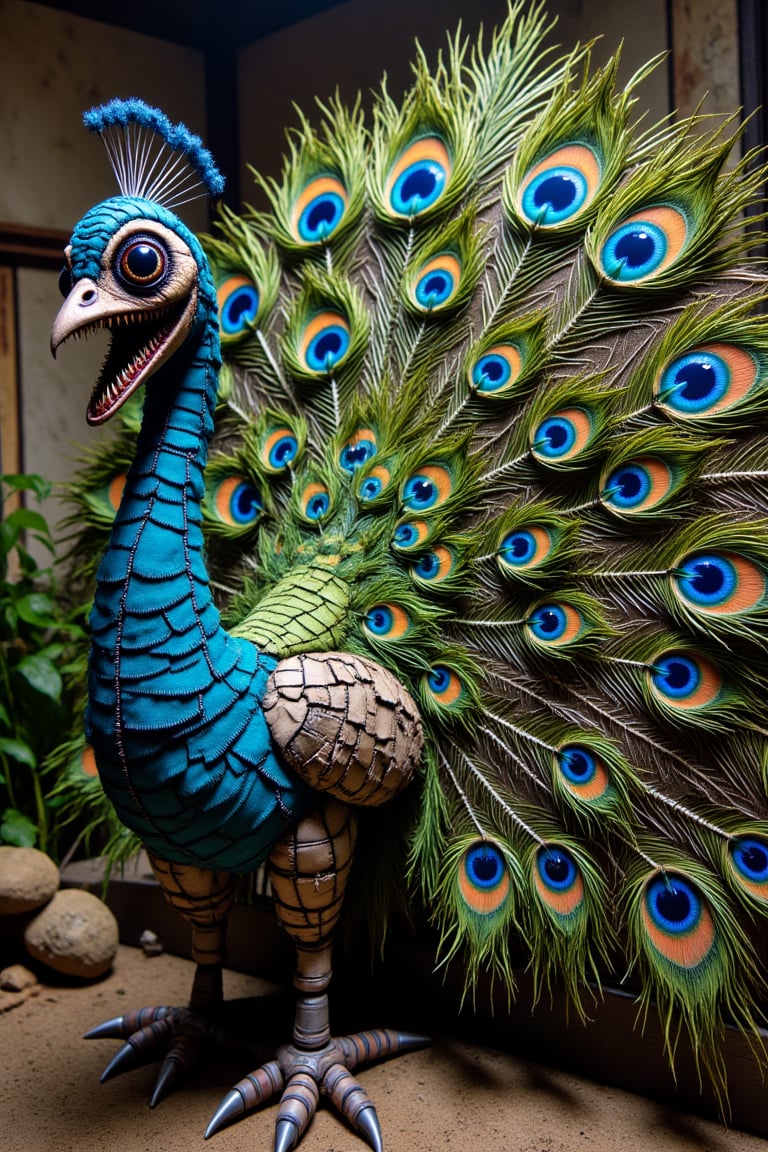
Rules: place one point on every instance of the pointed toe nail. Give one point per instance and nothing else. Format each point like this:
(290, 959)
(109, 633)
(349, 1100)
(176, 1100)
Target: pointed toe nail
(167, 1079)
(109, 1030)
(286, 1136)
(410, 1041)
(125, 1060)
(367, 1124)
(231, 1108)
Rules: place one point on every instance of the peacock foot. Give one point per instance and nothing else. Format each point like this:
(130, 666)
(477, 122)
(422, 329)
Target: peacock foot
(302, 1075)
(175, 1035)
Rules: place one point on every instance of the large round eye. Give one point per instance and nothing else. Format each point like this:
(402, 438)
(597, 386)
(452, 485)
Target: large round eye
(142, 262)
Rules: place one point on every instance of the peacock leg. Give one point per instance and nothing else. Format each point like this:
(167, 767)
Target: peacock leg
(309, 868)
(177, 1034)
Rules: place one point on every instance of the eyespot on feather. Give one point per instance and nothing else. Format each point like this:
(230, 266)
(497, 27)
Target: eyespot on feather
(237, 298)
(418, 178)
(409, 535)
(677, 920)
(386, 622)
(555, 624)
(115, 490)
(280, 449)
(483, 878)
(637, 485)
(719, 583)
(236, 502)
(496, 371)
(562, 436)
(426, 489)
(436, 284)
(315, 501)
(435, 566)
(524, 548)
(357, 450)
(374, 483)
(748, 864)
(319, 210)
(644, 245)
(444, 685)
(582, 772)
(685, 680)
(324, 342)
(559, 188)
(705, 381)
(558, 881)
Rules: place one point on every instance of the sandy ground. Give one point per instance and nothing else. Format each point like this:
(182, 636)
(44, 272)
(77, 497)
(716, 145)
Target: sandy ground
(452, 1096)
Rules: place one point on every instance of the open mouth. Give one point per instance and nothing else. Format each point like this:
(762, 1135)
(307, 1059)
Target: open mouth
(140, 342)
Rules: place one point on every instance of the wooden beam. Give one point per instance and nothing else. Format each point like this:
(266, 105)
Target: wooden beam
(32, 247)
(10, 440)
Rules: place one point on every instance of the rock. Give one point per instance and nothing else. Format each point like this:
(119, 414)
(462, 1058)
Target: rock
(16, 978)
(76, 934)
(151, 943)
(28, 878)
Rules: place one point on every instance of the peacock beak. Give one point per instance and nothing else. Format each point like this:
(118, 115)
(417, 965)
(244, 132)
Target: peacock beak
(87, 306)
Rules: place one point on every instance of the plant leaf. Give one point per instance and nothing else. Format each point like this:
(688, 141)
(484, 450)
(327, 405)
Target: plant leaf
(41, 675)
(18, 750)
(37, 608)
(17, 829)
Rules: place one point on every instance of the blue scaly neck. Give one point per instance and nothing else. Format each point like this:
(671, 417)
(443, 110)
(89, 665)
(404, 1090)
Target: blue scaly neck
(174, 701)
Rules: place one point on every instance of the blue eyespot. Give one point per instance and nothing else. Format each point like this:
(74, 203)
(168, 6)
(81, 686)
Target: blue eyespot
(673, 904)
(283, 452)
(708, 579)
(676, 676)
(491, 372)
(380, 620)
(406, 535)
(555, 195)
(634, 251)
(750, 857)
(548, 622)
(628, 486)
(419, 187)
(239, 311)
(556, 869)
(694, 383)
(577, 764)
(435, 288)
(328, 347)
(518, 548)
(371, 487)
(428, 566)
(420, 493)
(555, 437)
(485, 865)
(353, 456)
(243, 503)
(321, 217)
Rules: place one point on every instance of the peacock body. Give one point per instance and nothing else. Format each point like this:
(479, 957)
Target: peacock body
(489, 418)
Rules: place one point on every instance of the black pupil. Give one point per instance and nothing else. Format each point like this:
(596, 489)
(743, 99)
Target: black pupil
(428, 564)
(635, 248)
(556, 867)
(246, 500)
(519, 545)
(578, 763)
(317, 505)
(549, 620)
(284, 449)
(142, 261)
(485, 867)
(754, 859)
(328, 345)
(708, 579)
(419, 185)
(673, 904)
(436, 284)
(557, 192)
(323, 212)
(493, 369)
(356, 453)
(629, 484)
(239, 306)
(557, 434)
(677, 674)
(422, 490)
(696, 381)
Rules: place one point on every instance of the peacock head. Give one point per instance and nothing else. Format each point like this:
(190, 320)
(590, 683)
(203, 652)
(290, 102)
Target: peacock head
(132, 266)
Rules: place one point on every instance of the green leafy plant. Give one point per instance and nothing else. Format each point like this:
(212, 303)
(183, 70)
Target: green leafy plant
(41, 669)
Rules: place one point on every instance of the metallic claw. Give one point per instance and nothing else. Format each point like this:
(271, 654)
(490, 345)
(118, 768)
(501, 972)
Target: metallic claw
(124, 1060)
(298, 1105)
(286, 1135)
(246, 1096)
(367, 1124)
(120, 1027)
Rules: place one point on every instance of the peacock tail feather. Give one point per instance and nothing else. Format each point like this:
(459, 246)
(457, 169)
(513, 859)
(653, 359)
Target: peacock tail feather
(490, 414)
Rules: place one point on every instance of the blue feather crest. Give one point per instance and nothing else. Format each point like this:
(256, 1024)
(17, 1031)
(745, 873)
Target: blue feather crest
(152, 158)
